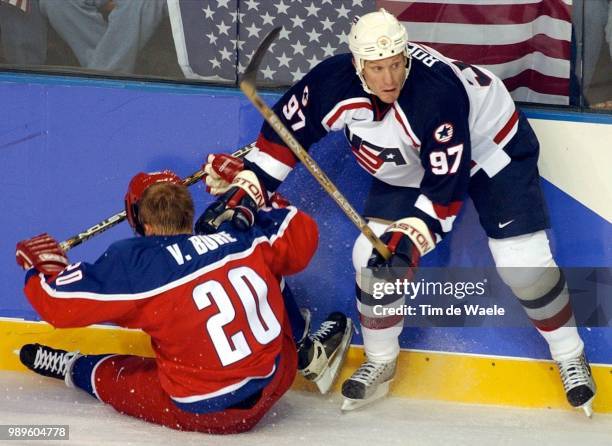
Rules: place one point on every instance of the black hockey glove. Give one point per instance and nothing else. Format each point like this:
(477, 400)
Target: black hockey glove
(408, 239)
(239, 205)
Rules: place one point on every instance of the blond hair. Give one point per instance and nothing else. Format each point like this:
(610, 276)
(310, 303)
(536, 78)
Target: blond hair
(167, 208)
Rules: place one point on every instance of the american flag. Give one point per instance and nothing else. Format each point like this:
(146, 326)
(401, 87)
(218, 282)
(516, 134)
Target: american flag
(527, 43)
(21, 4)
(215, 40)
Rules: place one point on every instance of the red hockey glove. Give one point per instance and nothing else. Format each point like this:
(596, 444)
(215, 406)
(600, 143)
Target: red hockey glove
(239, 205)
(43, 253)
(221, 169)
(408, 239)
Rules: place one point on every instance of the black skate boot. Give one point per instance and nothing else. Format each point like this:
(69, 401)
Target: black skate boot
(320, 355)
(578, 383)
(47, 361)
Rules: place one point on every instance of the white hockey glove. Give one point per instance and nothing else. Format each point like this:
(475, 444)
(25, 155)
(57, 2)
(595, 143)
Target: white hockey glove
(221, 169)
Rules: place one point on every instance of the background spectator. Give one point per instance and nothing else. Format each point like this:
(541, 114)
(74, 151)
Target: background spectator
(24, 32)
(100, 44)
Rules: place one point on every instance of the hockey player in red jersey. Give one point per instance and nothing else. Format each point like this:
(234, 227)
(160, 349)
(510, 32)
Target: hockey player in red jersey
(430, 130)
(212, 304)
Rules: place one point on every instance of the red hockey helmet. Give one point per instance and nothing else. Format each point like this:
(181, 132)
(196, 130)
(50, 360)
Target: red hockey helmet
(136, 188)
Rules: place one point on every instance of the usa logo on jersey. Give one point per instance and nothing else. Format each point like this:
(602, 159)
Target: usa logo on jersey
(372, 157)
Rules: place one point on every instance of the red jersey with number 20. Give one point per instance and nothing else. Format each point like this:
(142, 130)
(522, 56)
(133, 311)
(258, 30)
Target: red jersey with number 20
(212, 304)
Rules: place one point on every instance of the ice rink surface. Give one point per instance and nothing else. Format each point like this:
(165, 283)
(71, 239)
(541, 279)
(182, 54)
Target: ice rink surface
(303, 418)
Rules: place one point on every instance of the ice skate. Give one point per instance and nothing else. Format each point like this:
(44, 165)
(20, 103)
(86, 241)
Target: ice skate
(578, 383)
(321, 355)
(47, 361)
(369, 383)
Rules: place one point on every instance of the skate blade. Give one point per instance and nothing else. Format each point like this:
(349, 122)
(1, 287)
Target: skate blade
(587, 408)
(350, 404)
(326, 379)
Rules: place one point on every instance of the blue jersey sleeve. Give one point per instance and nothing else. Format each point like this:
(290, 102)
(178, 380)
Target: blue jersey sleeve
(84, 293)
(445, 156)
(301, 110)
(107, 275)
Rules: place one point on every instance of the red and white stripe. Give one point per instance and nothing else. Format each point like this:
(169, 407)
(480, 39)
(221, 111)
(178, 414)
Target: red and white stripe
(336, 118)
(21, 4)
(401, 118)
(276, 160)
(378, 323)
(367, 158)
(507, 131)
(445, 214)
(527, 43)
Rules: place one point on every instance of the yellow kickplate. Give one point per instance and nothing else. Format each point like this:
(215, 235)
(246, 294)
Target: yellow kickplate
(420, 375)
(94, 340)
(479, 380)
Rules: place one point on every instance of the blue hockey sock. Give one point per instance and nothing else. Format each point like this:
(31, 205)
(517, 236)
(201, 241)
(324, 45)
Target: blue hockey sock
(82, 371)
(298, 325)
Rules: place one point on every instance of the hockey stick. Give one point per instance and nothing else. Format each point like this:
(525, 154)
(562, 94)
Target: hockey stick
(247, 85)
(120, 216)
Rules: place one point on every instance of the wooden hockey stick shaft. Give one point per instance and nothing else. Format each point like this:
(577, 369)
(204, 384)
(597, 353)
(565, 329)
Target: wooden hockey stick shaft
(120, 216)
(247, 85)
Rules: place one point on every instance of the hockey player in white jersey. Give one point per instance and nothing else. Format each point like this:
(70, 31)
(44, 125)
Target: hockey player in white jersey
(431, 131)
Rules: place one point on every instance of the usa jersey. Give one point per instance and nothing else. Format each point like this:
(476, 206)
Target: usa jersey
(211, 303)
(450, 120)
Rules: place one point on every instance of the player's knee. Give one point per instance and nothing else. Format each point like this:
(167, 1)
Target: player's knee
(360, 255)
(525, 264)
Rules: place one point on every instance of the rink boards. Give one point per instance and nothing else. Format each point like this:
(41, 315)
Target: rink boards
(68, 147)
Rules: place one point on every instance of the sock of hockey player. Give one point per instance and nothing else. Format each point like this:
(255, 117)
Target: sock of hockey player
(370, 382)
(525, 263)
(299, 318)
(321, 355)
(82, 372)
(547, 304)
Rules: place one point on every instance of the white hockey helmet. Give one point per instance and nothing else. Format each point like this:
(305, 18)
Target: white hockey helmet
(374, 36)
